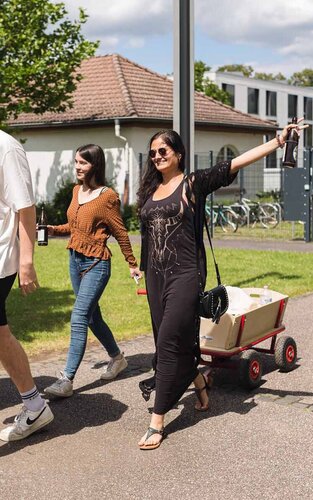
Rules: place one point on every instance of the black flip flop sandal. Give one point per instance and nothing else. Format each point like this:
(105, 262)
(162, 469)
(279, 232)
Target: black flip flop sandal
(150, 433)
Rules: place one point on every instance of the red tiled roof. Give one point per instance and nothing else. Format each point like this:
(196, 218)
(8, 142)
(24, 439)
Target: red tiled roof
(115, 87)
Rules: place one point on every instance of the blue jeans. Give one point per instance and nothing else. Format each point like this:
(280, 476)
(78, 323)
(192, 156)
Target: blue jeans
(86, 312)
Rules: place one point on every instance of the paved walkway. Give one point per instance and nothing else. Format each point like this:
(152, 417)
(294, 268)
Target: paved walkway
(275, 245)
(249, 445)
(253, 244)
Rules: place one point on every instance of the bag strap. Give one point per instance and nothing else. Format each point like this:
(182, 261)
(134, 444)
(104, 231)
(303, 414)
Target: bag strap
(187, 191)
(215, 263)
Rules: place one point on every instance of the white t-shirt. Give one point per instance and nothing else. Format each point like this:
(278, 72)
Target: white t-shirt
(16, 192)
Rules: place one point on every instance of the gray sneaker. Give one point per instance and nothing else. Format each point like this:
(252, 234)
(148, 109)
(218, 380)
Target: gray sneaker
(115, 366)
(62, 388)
(27, 422)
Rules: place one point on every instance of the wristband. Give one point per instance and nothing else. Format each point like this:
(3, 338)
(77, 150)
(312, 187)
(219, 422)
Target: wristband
(278, 139)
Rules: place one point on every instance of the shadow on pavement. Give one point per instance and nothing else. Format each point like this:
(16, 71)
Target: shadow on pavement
(9, 394)
(229, 374)
(137, 364)
(71, 416)
(220, 403)
(253, 279)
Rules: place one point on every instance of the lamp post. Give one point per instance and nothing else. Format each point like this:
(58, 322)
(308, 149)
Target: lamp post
(183, 99)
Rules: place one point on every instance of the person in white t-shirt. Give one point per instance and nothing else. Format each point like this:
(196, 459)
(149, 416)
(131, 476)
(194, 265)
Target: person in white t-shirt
(17, 237)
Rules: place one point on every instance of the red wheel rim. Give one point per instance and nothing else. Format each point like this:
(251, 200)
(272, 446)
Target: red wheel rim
(254, 370)
(290, 353)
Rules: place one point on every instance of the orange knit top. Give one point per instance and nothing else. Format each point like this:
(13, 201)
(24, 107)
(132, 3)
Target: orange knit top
(92, 223)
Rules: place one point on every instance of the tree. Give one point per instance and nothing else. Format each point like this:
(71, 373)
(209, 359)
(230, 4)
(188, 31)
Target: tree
(40, 53)
(200, 69)
(203, 84)
(303, 78)
(270, 76)
(240, 68)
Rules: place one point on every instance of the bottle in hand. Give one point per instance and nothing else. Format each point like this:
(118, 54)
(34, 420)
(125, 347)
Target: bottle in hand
(42, 235)
(291, 147)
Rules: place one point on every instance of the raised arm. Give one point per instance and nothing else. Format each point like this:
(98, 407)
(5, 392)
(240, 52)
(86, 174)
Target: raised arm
(263, 150)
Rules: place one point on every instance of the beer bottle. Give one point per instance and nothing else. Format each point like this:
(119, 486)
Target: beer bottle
(42, 235)
(291, 147)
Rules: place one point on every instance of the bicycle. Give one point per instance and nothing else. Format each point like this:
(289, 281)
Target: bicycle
(253, 212)
(225, 217)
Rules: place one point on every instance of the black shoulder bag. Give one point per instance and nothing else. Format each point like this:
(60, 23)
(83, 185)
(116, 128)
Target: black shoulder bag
(214, 302)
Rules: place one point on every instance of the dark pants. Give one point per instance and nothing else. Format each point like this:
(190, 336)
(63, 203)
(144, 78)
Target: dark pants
(5, 287)
(173, 306)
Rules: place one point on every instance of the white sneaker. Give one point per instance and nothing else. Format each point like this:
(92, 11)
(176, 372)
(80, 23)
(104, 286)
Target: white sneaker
(62, 388)
(27, 422)
(115, 366)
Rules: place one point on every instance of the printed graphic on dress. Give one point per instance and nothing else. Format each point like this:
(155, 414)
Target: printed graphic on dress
(164, 225)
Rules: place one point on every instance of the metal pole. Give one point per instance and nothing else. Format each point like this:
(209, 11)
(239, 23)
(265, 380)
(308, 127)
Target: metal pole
(140, 164)
(183, 99)
(311, 193)
(196, 163)
(307, 197)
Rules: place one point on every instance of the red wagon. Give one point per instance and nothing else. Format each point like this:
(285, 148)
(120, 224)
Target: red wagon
(239, 334)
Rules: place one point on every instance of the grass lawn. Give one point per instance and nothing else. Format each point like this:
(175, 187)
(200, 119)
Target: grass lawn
(283, 231)
(41, 320)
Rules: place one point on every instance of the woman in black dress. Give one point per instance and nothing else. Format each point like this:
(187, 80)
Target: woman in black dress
(171, 207)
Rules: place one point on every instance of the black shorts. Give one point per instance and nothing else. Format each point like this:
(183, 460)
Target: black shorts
(5, 287)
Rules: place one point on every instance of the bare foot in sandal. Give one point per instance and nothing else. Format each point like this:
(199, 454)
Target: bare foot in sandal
(152, 439)
(155, 433)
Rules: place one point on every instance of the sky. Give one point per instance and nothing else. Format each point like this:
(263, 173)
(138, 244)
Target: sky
(270, 35)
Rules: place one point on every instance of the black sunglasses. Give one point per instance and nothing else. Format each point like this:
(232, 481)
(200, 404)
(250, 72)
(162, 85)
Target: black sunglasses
(162, 152)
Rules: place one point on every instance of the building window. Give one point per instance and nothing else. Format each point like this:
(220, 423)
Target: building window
(230, 89)
(270, 160)
(228, 153)
(203, 160)
(253, 101)
(292, 105)
(308, 115)
(271, 98)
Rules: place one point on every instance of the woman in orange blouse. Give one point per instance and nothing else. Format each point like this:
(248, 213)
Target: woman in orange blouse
(93, 216)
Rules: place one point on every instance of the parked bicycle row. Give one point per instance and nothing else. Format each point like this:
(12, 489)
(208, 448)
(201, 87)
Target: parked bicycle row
(243, 213)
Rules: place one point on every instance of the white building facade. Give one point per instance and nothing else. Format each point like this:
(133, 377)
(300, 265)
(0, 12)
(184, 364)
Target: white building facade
(119, 105)
(270, 100)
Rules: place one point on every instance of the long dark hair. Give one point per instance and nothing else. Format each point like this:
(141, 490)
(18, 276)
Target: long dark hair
(152, 177)
(93, 154)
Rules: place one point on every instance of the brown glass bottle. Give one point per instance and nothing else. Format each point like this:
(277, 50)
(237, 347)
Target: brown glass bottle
(42, 235)
(291, 147)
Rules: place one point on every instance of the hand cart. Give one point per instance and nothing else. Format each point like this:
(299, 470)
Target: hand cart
(239, 334)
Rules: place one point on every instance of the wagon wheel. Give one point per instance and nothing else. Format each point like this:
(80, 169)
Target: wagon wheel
(286, 353)
(250, 369)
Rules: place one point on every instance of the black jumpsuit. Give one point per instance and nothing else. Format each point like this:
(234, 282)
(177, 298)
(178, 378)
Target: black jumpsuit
(172, 237)
(173, 288)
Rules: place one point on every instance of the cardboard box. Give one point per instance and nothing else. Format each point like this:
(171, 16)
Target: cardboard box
(259, 322)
